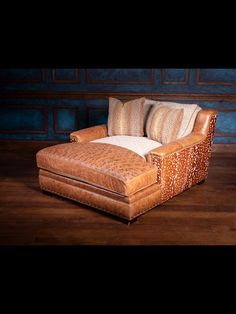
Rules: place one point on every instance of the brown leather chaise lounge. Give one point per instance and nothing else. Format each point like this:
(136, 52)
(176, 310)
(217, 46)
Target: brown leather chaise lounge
(117, 180)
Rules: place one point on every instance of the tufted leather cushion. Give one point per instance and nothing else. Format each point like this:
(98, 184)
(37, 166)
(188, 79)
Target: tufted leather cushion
(104, 165)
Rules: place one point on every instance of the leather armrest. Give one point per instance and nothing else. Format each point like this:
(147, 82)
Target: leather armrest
(89, 134)
(178, 145)
(199, 133)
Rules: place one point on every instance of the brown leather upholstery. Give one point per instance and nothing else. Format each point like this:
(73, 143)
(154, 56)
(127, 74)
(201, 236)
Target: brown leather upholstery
(89, 134)
(108, 166)
(117, 180)
(185, 162)
(118, 205)
(199, 133)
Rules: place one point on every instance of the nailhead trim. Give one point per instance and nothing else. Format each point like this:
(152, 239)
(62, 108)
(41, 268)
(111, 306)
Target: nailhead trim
(91, 205)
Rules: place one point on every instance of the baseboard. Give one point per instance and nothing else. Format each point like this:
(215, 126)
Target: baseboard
(224, 148)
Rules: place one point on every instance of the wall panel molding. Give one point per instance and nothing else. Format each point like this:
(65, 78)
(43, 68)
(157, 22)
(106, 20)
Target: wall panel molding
(223, 148)
(198, 80)
(222, 134)
(93, 108)
(183, 82)
(90, 80)
(43, 110)
(56, 129)
(55, 79)
(123, 95)
(225, 134)
(30, 80)
(49, 103)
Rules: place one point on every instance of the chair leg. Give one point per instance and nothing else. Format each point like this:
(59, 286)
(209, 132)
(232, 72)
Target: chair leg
(131, 221)
(45, 192)
(201, 182)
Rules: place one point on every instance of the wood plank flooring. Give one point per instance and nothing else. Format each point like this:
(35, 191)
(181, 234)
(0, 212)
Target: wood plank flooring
(205, 214)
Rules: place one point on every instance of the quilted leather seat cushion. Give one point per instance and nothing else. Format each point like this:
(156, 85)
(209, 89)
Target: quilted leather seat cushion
(110, 167)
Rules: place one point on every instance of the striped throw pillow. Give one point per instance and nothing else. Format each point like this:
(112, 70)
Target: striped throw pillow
(164, 123)
(190, 114)
(126, 118)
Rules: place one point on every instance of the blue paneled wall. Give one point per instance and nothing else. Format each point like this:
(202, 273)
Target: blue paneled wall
(47, 104)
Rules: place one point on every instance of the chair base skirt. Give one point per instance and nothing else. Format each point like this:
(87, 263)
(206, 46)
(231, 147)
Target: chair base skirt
(125, 207)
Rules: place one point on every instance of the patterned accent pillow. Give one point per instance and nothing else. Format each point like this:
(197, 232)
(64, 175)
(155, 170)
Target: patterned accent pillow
(164, 123)
(190, 114)
(126, 118)
(148, 105)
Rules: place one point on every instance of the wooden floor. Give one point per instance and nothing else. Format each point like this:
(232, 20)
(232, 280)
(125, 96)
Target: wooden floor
(205, 214)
